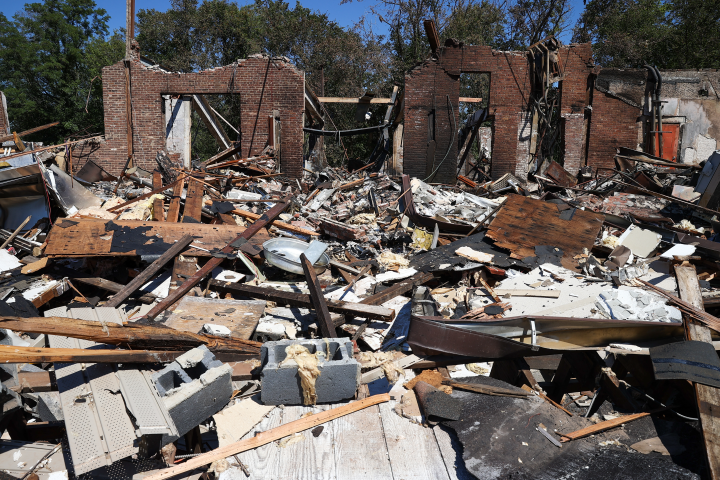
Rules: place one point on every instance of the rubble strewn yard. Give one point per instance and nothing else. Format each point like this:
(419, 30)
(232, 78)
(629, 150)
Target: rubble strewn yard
(447, 311)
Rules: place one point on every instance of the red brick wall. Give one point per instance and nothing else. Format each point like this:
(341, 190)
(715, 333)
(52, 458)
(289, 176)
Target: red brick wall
(263, 84)
(576, 62)
(427, 88)
(613, 124)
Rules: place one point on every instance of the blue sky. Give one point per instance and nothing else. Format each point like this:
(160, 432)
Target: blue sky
(345, 15)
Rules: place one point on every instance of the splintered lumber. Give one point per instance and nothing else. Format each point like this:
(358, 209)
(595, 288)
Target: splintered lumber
(371, 311)
(129, 334)
(522, 223)
(241, 239)
(399, 288)
(158, 213)
(122, 206)
(487, 389)
(12, 354)
(15, 233)
(263, 438)
(193, 201)
(318, 300)
(228, 152)
(276, 223)
(708, 398)
(112, 287)
(384, 101)
(690, 308)
(6, 138)
(149, 272)
(602, 426)
(174, 209)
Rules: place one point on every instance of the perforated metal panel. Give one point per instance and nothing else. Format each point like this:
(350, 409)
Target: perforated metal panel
(95, 399)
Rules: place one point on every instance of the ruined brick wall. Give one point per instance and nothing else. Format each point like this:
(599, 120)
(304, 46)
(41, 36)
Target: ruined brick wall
(431, 114)
(263, 85)
(613, 124)
(575, 61)
(509, 96)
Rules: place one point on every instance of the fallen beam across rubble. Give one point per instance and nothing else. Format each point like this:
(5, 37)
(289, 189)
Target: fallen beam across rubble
(130, 334)
(13, 354)
(361, 310)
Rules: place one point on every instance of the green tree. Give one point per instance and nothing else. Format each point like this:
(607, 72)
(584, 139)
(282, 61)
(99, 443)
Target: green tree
(625, 33)
(43, 69)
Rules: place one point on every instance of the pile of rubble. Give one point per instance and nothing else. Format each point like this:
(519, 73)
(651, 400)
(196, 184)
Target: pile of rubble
(164, 323)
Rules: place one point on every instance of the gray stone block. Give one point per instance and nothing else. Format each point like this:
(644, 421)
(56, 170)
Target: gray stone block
(339, 372)
(194, 387)
(45, 406)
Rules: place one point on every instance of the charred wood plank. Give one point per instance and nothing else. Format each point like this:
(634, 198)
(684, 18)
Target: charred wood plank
(318, 300)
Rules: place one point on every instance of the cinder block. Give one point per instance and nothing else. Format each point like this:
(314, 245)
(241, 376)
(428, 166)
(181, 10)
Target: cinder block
(193, 388)
(339, 372)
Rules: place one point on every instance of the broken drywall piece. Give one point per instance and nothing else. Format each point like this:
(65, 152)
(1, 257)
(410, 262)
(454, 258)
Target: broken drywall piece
(8, 261)
(235, 421)
(636, 304)
(641, 242)
(679, 251)
(474, 255)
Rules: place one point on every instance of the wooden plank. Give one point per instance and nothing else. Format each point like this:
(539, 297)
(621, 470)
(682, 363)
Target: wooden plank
(360, 450)
(276, 223)
(193, 202)
(522, 223)
(7, 138)
(451, 450)
(262, 462)
(13, 354)
(708, 398)
(602, 426)
(354, 100)
(301, 300)
(324, 321)
(14, 234)
(91, 237)
(399, 288)
(240, 316)
(174, 210)
(158, 204)
(312, 458)
(274, 434)
(133, 334)
(149, 272)
(227, 153)
(111, 287)
(412, 448)
(184, 267)
(432, 34)
(216, 261)
(470, 99)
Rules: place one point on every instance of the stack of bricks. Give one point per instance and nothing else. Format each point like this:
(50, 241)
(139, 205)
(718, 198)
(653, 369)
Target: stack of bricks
(263, 84)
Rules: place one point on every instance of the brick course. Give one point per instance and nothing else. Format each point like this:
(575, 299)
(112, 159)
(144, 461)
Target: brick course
(263, 85)
(613, 124)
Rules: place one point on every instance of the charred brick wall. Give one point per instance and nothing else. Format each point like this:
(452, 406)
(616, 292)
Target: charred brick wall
(613, 124)
(263, 84)
(431, 120)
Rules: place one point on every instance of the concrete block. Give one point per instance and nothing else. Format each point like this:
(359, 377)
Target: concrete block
(194, 387)
(339, 372)
(44, 405)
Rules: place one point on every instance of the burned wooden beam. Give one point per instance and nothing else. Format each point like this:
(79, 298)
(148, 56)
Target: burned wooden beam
(399, 288)
(111, 286)
(149, 272)
(318, 300)
(302, 300)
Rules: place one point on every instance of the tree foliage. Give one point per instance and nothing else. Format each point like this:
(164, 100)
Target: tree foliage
(666, 33)
(51, 52)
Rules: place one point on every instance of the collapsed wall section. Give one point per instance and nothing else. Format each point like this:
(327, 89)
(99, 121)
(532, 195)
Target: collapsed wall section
(263, 84)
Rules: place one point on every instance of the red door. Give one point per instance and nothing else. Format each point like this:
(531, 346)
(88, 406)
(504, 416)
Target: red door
(671, 140)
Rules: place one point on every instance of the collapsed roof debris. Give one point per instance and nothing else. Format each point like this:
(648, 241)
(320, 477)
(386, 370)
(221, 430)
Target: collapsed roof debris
(442, 312)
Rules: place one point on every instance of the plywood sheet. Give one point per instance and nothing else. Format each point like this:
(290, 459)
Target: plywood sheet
(90, 237)
(524, 223)
(240, 316)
